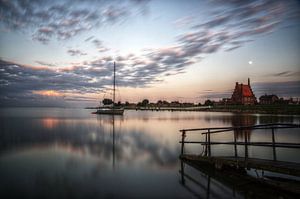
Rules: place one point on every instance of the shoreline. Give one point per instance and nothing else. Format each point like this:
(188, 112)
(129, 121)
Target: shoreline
(257, 109)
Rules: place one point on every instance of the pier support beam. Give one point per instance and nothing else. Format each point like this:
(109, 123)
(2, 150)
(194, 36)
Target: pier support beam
(182, 142)
(273, 143)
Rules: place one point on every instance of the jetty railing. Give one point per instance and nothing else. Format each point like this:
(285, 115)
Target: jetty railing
(208, 132)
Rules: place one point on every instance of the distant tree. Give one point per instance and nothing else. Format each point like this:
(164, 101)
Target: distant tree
(139, 104)
(127, 103)
(145, 102)
(159, 103)
(208, 103)
(165, 103)
(119, 103)
(107, 101)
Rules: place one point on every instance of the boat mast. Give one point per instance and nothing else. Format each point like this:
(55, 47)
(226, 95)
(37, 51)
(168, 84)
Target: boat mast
(114, 95)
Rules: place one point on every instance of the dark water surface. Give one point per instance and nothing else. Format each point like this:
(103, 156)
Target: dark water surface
(70, 153)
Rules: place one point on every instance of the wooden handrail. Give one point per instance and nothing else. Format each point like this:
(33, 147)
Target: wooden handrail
(285, 125)
(246, 142)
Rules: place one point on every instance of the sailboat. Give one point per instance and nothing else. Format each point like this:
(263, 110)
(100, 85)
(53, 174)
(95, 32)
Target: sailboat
(111, 110)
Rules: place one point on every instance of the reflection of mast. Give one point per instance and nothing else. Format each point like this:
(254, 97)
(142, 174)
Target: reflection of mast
(113, 146)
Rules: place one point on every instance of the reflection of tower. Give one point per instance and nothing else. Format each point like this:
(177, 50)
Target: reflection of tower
(243, 120)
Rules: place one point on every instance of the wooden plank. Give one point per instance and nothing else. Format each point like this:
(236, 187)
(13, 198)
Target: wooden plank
(239, 181)
(289, 168)
(265, 144)
(261, 126)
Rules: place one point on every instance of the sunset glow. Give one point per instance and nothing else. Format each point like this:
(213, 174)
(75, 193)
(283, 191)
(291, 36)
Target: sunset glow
(50, 93)
(51, 49)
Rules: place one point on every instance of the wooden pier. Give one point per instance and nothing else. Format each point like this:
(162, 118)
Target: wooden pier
(236, 163)
(194, 108)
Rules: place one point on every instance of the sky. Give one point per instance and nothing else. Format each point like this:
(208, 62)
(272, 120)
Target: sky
(61, 52)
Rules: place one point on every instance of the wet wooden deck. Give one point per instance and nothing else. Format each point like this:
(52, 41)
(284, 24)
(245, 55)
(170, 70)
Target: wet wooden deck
(264, 186)
(289, 168)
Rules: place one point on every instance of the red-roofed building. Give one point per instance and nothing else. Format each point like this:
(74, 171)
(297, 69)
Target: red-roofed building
(243, 94)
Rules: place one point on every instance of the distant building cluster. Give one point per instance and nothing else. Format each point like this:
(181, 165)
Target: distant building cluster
(268, 99)
(244, 95)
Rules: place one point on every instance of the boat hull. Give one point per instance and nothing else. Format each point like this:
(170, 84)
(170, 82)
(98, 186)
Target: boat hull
(110, 111)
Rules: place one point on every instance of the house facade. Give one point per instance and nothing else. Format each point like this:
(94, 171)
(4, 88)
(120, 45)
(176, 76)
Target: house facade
(268, 99)
(243, 94)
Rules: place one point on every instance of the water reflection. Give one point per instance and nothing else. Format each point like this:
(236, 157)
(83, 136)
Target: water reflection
(204, 181)
(50, 123)
(49, 152)
(243, 120)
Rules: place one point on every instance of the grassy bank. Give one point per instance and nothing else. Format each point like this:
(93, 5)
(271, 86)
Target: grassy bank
(268, 109)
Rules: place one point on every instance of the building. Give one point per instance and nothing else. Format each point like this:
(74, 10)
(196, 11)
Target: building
(268, 99)
(243, 94)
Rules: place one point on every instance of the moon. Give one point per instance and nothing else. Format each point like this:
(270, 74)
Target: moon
(250, 62)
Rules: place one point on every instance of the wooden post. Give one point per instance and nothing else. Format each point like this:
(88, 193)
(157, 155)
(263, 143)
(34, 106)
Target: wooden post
(182, 173)
(235, 147)
(205, 144)
(182, 142)
(208, 187)
(208, 137)
(273, 143)
(246, 148)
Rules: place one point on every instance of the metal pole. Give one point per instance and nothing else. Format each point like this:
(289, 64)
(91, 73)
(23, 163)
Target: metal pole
(114, 90)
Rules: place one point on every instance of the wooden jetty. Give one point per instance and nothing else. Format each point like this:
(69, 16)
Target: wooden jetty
(236, 163)
(216, 183)
(156, 108)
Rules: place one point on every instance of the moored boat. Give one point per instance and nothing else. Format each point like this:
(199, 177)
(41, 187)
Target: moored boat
(111, 110)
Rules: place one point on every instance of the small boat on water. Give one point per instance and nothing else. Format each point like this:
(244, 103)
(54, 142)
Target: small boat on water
(111, 110)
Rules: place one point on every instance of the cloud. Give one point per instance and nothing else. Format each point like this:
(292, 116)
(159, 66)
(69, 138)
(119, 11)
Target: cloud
(215, 95)
(241, 20)
(237, 24)
(46, 30)
(114, 13)
(18, 81)
(89, 38)
(77, 52)
(47, 20)
(282, 89)
(99, 45)
(286, 74)
(218, 20)
(45, 63)
(183, 21)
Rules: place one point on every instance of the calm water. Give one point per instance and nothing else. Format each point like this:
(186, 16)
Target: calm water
(70, 153)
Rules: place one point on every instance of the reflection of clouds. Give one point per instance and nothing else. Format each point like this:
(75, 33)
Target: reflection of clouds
(145, 145)
(93, 139)
(152, 143)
